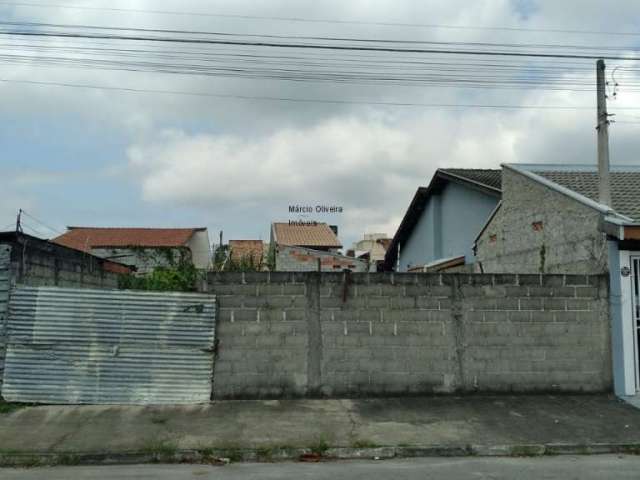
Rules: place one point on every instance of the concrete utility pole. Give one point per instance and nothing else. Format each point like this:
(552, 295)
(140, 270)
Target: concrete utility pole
(604, 185)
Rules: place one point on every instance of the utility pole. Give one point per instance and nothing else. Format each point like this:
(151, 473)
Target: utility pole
(18, 222)
(604, 185)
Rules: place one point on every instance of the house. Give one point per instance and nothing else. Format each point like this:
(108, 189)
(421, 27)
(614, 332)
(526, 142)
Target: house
(249, 251)
(372, 247)
(551, 219)
(310, 246)
(314, 235)
(443, 219)
(145, 248)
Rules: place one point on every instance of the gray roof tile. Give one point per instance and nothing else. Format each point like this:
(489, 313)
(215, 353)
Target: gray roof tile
(625, 187)
(491, 178)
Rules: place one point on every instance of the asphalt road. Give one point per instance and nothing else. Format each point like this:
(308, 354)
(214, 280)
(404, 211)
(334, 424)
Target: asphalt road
(548, 468)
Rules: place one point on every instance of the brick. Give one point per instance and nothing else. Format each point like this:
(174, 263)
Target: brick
(517, 291)
(555, 304)
(392, 290)
(403, 302)
(368, 290)
(540, 291)
(543, 316)
(507, 304)
(576, 280)
(529, 279)
(505, 279)
(578, 304)
(428, 303)
(520, 316)
(378, 302)
(445, 304)
(530, 304)
(230, 301)
(270, 289)
(586, 292)
(552, 280)
(566, 292)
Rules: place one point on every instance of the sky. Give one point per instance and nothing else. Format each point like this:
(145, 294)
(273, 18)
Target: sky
(100, 157)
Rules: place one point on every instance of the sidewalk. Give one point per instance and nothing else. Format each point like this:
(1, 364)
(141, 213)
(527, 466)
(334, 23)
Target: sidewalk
(283, 429)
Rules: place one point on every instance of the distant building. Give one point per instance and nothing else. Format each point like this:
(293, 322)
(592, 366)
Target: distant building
(440, 226)
(301, 246)
(315, 235)
(145, 248)
(248, 251)
(372, 248)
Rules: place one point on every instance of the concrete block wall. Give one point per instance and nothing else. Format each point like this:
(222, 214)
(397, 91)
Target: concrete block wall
(336, 334)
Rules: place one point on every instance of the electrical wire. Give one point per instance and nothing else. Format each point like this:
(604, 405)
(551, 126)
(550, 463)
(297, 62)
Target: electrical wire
(40, 222)
(309, 100)
(321, 21)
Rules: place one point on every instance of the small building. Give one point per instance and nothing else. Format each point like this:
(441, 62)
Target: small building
(443, 219)
(372, 247)
(310, 246)
(551, 220)
(145, 248)
(36, 262)
(247, 251)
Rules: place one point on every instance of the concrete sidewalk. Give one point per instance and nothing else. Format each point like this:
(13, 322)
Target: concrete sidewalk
(283, 429)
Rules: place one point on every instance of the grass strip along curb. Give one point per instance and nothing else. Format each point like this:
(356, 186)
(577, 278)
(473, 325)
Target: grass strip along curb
(222, 456)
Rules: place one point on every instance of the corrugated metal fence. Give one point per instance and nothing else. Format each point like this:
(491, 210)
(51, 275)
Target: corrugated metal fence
(109, 346)
(5, 262)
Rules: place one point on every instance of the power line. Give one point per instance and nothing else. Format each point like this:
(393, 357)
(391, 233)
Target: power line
(269, 44)
(307, 100)
(317, 20)
(41, 222)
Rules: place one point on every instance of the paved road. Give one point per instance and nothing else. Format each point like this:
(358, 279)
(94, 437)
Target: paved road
(548, 468)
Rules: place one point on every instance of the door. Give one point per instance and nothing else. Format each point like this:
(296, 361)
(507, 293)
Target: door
(635, 314)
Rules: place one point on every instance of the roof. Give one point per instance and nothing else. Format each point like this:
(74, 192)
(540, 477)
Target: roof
(312, 234)
(86, 238)
(625, 187)
(490, 178)
(246, 249)
(486, 180)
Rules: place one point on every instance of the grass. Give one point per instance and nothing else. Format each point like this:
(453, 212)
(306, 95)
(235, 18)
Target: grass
(159, 420)
(364, 444)
(6, 407)
(161, 449)
(320, 448)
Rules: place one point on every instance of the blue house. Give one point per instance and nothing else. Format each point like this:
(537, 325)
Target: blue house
(440, 226)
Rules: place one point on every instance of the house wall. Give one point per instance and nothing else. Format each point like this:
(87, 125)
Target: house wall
(538, 229)
(144, 259)
(329, 334)
(200, 249)
(447, 226)
(300, 259)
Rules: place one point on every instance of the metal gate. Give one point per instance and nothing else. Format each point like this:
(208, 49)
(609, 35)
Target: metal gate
(76, 346)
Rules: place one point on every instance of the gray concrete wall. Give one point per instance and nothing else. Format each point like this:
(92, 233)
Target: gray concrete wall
(297, 334)
(448, 226)
(540, 230)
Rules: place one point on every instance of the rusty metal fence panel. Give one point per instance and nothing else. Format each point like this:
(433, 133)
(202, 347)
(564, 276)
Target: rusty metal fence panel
(5, 270)
(79, 346)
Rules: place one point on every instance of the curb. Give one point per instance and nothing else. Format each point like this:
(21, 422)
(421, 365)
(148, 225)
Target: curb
(223, 456)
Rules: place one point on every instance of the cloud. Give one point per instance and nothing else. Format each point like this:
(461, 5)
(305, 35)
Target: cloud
(241, 162)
